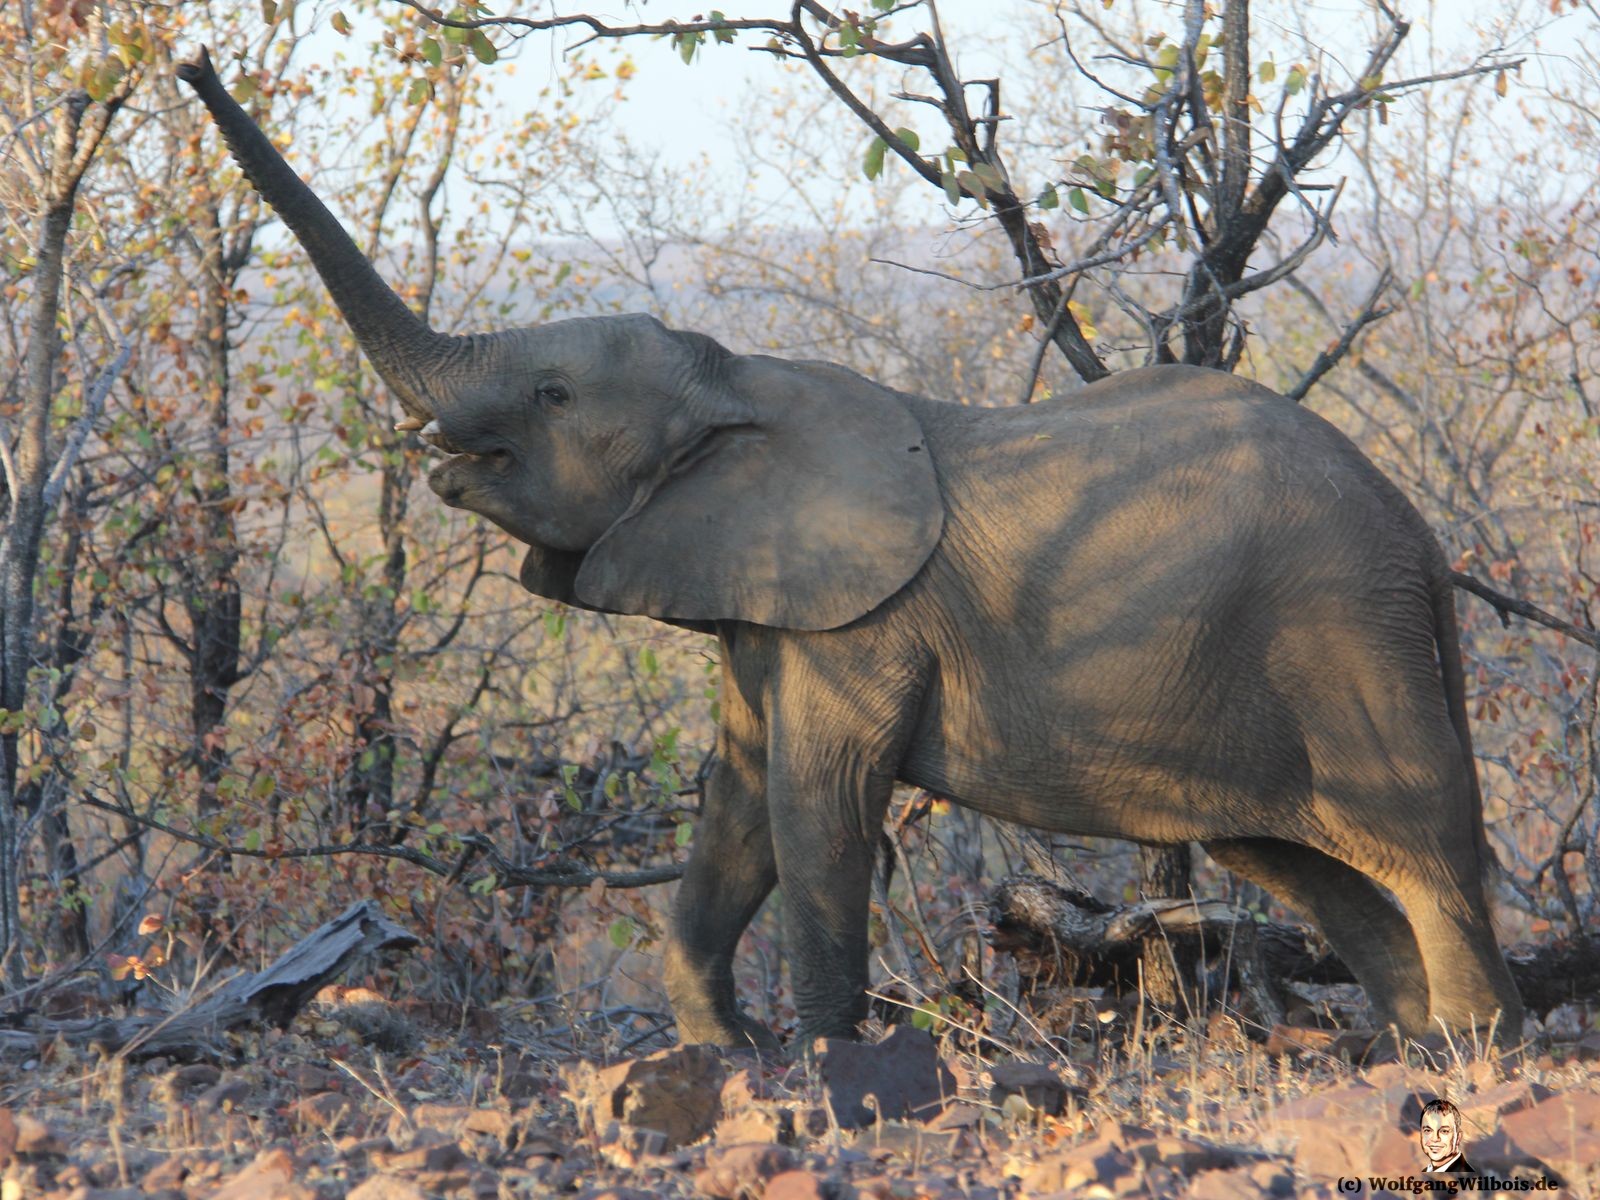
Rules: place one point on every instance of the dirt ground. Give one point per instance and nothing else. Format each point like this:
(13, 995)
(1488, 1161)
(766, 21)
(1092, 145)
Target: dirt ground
(377, 1100)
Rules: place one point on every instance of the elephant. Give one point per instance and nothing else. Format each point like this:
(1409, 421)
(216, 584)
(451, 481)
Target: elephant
(1171, 606)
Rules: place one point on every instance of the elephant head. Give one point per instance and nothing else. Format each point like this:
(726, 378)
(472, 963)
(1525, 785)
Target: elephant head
(649, 470)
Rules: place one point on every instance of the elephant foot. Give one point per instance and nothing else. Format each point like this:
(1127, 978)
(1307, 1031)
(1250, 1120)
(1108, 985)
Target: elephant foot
(734, 1033)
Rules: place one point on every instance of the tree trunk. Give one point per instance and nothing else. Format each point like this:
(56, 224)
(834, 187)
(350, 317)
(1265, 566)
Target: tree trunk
(1168, 966)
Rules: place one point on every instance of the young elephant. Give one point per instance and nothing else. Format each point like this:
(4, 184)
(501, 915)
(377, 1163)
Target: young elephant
(1173, 606)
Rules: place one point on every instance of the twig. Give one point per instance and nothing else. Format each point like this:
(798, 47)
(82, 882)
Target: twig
(506, 873)
(1506, 605)
(1326, 360)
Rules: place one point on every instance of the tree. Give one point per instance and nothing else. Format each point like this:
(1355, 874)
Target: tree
(55, 133)
(1190, 173)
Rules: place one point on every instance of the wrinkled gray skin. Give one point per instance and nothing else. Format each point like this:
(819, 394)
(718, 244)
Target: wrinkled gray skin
(1173, 607)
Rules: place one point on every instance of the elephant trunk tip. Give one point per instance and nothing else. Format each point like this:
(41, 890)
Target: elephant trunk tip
(196, 68)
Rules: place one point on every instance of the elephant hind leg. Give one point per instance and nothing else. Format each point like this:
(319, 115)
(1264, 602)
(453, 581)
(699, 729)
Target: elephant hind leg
(1468, 981)
(1362, 924)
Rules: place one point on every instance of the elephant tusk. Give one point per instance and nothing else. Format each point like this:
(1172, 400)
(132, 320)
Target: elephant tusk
(409, 425)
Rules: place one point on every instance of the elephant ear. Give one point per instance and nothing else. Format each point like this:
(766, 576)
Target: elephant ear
(809, 516)
(553, 574)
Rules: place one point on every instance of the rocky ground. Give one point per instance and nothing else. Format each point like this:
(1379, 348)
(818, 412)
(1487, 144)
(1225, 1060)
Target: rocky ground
(358, 1098)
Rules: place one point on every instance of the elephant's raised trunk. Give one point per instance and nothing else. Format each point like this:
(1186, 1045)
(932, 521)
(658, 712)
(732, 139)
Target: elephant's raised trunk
(400, 344)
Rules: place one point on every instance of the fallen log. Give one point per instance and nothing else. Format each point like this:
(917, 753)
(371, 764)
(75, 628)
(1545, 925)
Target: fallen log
(1061, 937)
(274, 994)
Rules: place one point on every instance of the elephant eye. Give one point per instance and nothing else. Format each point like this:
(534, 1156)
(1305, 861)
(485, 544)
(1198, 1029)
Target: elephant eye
(553, 394)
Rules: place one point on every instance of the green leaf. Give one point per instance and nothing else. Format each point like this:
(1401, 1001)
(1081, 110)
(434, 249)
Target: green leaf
(974, 186)
(872, 161)
(341, 24)
(989, 175)
(621, 932)
(1078, 200)
(688, 43)
(252, 840)
(262, 787)
(909, 137)
(482, 887)
(555, 623)
(684, 834)
(1049, 198)
(1296, 80)
(952, 187)
(647, 661)
(483, 48)
(419, 92)
(432, 51)
(1267, 71)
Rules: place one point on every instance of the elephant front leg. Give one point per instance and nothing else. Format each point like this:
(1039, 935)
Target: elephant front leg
(829, 793)
(730, 873)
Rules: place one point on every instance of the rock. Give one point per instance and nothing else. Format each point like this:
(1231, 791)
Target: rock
(1099, 1162)
(902, 1073)
(453, 1121)
(168, 1173)
(435, 1158)
(1481, 1111)
(675, 1092)
(1120, 1133)
(806, 1185)
(181, 1082)
(387, 1187)
(617, 1193)
(1185, 1155)
(1349, 1130)
(959, 1115)
(35, 1139)
(324, 1112)
(761, 1123)
(225, 1095)
(1272, 1178)
(1295, 1040)
(1587, 1047)
(744, 1088)
(738, 1171)
(1224, 1185)
(1036, 1084)
(627, 1147)
(1561, 1132)
(308, 1077)
(273, 1176)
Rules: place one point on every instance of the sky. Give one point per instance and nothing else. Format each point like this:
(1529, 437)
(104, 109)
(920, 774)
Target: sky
(667, 98)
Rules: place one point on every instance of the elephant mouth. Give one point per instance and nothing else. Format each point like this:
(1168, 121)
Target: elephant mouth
(432, 436)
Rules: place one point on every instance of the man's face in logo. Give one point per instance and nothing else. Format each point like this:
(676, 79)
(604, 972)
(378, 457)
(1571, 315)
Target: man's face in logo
(1441, 1137)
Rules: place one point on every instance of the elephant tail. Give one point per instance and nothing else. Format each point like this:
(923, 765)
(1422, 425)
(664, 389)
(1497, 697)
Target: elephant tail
(1448, 639)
